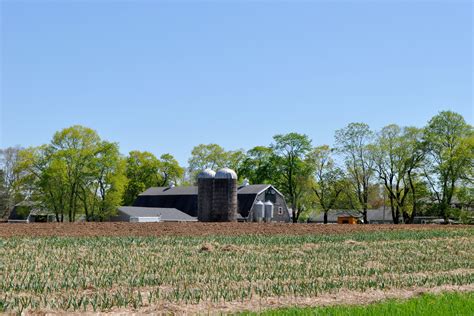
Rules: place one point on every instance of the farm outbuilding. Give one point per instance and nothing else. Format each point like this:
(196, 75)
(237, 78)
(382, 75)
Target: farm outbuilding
(29, 212)
(376, 216)
(337, 217)
(185, 199)
(151, 214)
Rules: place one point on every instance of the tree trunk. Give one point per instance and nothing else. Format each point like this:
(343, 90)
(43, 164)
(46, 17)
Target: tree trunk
(325, 217)
(392, 208)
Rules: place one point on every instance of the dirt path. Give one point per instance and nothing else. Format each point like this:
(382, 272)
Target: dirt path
(195, 229)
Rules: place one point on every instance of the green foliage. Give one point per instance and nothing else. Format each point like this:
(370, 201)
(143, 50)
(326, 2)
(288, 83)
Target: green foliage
(170, 170)
(450, 156)
(214, 157)
(354, 143)
(259, 165)
(396, 158)
(142, 172)
(460, 304)
(77, 173)
(292, 170)
(329, 180)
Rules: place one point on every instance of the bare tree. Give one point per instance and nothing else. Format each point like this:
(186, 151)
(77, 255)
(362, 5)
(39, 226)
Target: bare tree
(9, 176)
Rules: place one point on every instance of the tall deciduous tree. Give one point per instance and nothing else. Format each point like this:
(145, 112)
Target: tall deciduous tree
(353, 143)
(290, 151)
(77, 173)
(214, 157)
(391, 159)
(259, 165)
(204, 156)
(142, 171)
(169, 170)
(329, 179)
(9, 193)
(76, 147)
(416, 149)
(450, 156)
(103, 190)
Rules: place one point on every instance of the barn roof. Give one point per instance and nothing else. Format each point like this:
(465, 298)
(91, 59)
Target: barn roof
(185, 198)
(193, 190)
(252, 188)
(166, 214)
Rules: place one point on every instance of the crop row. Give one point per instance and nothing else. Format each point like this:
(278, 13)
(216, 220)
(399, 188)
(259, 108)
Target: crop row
(97, 274)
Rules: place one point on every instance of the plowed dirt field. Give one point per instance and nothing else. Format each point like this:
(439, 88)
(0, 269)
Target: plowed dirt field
(195, 229)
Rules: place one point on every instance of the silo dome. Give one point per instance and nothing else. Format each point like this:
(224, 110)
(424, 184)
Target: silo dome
(226, 173)
(206, 174)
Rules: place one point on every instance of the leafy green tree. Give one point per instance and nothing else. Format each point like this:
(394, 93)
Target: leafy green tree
(102, 190)
(290, 152)
(77, 173)
(235, 159)
(259, 165)
(329, 179)
(142, 172)
(416, 149)
(354, 143)
(214, 157)
(44, 175)
(391, 157)
(204, 156)
(169, 170)
(450, 155)
(76, 147)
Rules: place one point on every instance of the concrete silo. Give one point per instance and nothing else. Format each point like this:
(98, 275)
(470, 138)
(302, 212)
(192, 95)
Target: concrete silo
(224, 202)
(205, 194)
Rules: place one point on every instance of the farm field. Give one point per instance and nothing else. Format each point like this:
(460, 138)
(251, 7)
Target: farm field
(314, 266)
(196, 229)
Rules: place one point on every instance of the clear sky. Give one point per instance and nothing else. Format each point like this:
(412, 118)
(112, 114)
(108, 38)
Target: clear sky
(166, 76)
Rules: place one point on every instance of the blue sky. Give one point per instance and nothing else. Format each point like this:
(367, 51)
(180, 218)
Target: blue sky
(166, 76)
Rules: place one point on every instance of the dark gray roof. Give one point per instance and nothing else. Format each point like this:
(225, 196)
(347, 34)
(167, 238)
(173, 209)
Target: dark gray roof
(252, 188)
(166, 214)
(191, 190)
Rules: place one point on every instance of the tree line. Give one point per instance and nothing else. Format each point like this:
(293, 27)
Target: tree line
(411, 170)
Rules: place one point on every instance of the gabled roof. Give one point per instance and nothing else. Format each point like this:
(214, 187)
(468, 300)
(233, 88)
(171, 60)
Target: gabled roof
(166, 214)
(252, 188)
(193, 190)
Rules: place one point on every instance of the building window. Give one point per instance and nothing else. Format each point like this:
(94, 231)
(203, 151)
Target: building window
(280, 210)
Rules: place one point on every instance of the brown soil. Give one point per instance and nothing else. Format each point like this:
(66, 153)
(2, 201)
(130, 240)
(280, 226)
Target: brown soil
(196, 229)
